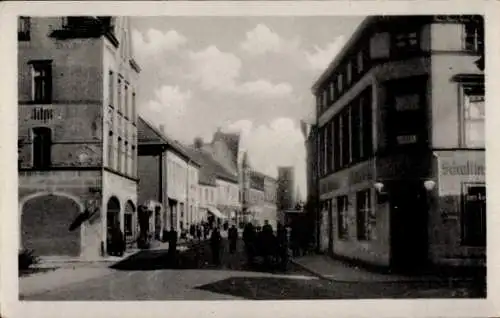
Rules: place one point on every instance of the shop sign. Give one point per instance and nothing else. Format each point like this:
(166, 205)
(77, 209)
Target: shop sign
(458, 168)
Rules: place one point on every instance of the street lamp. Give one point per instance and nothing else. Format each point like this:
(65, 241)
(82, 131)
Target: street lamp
(429, 185)
(381, 194)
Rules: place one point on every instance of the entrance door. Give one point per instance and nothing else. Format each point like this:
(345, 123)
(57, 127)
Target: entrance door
(409, 228)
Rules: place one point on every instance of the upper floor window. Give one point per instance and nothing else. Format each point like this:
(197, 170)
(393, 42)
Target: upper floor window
(42, 146)
(473, 116)
(119, 95)
(340, 82)
(111, 89)
(23, 29)
(133, 108)
(473, 37)
(41, 73)
(360, 62)
(332, 91)
(406, 42)
(349, 73)
(126, 110)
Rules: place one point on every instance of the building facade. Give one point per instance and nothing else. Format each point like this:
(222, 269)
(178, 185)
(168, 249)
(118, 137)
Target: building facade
(401, 143)
(77, 134)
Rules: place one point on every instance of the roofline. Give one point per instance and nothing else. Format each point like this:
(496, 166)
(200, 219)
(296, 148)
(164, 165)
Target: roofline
(367, 21)
(170, 144)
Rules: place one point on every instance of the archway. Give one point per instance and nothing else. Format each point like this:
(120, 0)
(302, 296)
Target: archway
(130, 220)
(113, 213)
(45, 225)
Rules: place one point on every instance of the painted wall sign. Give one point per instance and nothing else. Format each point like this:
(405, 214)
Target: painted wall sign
(458, 167)
(345, 178)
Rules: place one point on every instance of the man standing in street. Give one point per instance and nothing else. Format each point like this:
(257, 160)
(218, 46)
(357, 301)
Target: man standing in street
(172, 246)
(215, 245)
(233, 239)
(282, 239)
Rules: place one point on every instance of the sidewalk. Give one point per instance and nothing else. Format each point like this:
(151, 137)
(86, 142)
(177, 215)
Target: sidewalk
(60, 277)
(328, 268)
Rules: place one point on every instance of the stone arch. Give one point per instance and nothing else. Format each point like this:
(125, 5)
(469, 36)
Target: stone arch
(45, 220)
(130, 219)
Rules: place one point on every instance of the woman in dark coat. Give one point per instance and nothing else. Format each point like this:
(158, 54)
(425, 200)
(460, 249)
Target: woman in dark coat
(215, 245)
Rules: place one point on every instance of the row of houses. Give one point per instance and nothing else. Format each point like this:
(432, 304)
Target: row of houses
(87, 161)
(396, 158)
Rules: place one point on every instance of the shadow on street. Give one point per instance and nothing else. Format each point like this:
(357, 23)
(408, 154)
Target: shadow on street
(198, 256)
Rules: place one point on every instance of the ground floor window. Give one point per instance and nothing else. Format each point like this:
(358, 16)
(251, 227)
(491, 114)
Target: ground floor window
(342, 217)
(473, 220)
(365, 216)
(128, 224)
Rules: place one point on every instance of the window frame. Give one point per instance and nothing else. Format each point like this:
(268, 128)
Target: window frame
(42, 161)
(477, 37)
(364, 215)
(408, 48)
(463, 86)
(44, 67)
(24, 29)
(342, 217)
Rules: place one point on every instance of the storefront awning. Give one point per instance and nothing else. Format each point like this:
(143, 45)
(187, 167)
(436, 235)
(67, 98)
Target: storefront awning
(216, 212)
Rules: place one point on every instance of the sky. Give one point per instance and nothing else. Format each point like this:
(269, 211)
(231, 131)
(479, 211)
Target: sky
(251, 75)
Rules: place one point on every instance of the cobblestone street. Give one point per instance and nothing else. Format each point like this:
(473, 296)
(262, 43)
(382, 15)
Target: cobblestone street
(148, 276)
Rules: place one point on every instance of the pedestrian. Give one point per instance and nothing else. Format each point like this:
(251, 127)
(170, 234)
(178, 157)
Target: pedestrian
(233, 239)
(249, 238)
(172, 246)
(215, 245)
(192, 231)
(198, 232)
(267, 243)
(282, 239)
(295, 240)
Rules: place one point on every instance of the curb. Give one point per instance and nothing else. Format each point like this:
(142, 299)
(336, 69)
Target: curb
(395, 281)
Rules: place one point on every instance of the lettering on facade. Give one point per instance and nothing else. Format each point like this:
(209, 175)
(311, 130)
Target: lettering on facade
(465, 169)
(356, 176)
(42, 114)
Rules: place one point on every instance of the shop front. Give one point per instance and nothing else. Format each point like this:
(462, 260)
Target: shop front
(458, 222)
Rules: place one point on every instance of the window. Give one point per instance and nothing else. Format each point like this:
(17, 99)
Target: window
(342, 217)
(345, 137)
(119, 154)
(125, 97)
(326, 156)
(356, 131)
(128, 224)
(126, 157)
(331, 145)
(111, 89)
(42, 81)
(119, 95)
(325, 100)
(473, 116)
(111, 153)
(337, 142)
(405, 42)
(474, 215)
(134, 111)
(360, 62)
(474, 36)
(349, 73)
(42, 146)
(332, 91)
(365, 215)
(23, 29)
(340, 83)
(366, 115)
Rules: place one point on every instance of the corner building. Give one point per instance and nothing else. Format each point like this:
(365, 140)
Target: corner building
(401, 143)
(77, 134)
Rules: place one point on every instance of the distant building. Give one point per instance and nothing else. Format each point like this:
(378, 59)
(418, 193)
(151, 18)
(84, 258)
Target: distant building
(168, 180)
(401, 155)
(77, 134)
(286, 188)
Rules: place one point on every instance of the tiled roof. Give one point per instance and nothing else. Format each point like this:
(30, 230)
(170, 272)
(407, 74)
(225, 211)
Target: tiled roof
(147, 134)
(210, 169)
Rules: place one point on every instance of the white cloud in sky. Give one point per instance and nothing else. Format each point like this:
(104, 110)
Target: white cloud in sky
(321, 57)
(262, 40)
(155, 42)
(278, 143)
(168, 108)
(221, 71)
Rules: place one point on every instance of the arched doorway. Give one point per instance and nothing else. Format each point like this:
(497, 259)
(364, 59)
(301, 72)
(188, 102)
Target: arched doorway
(130, 222)
(113, 213)
(45, 225)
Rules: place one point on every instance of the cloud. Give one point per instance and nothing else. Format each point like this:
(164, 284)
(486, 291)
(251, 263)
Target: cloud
(155, 42)
(277, 143)
(262, 40)
(168, 108)
(220, 71)
(320, 58)
(214, 69)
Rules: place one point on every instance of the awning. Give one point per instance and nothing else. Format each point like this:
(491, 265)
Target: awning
(216, 212)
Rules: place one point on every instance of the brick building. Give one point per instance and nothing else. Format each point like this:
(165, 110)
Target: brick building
(401, 143)
(77, 133)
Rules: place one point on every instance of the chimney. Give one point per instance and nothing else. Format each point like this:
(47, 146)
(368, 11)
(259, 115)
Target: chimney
(198, 143)
(162, 128)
